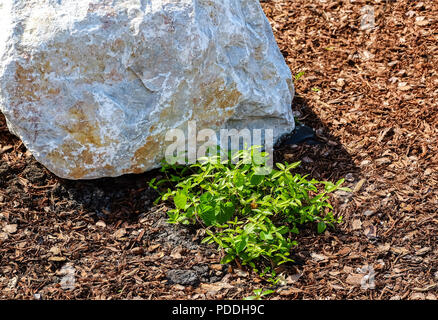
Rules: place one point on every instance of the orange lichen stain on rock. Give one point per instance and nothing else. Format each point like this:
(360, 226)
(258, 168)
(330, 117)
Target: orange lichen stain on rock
(67, 157)
(144, 157)
(32, 84)
(76, 154)
(217, 103)
(105, 5)
(79, 173)
(172, 112)
(213, 104)
(108, 167)
(61, 157)
(90, 61)
(115, 76)
(259, 52)
(82, 129)
(26, 84)
(45, 67)
(118, 45)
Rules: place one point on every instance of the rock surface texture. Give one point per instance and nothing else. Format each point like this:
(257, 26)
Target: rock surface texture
(92, 86)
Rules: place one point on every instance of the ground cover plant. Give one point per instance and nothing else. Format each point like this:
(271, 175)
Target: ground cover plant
(251, 214)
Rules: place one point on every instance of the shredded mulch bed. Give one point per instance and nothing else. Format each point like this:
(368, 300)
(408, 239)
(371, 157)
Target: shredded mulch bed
(370, 94)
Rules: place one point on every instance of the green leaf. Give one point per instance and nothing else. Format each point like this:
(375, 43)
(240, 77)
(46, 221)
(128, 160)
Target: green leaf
(276, 174)
(266, 236)
(341, 181)
(239, 179)
(241, 244)
(299, 75)
(208, 215)
(293, 165)
(180, 200)
(266, 292)
(321, 227)
(206, 198)
(256, 179)
(226, 212)
(227, 259)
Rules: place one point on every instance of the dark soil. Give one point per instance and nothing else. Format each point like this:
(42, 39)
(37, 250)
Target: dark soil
(371, 97)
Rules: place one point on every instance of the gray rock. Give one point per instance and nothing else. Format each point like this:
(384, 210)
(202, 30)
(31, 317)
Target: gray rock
(183, 277)
(92, 86)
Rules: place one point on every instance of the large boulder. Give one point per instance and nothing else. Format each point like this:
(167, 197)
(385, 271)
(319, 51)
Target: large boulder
(92, 86)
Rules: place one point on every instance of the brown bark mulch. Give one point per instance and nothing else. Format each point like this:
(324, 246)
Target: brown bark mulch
(370, 94)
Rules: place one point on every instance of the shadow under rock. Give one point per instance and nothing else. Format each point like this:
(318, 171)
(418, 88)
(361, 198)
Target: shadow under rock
(321, 154)
(323, 158)
(26, 181)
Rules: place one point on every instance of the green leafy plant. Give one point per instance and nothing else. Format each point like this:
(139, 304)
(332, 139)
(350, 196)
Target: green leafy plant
(299, 75)
(252, 214)
(259, 294)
